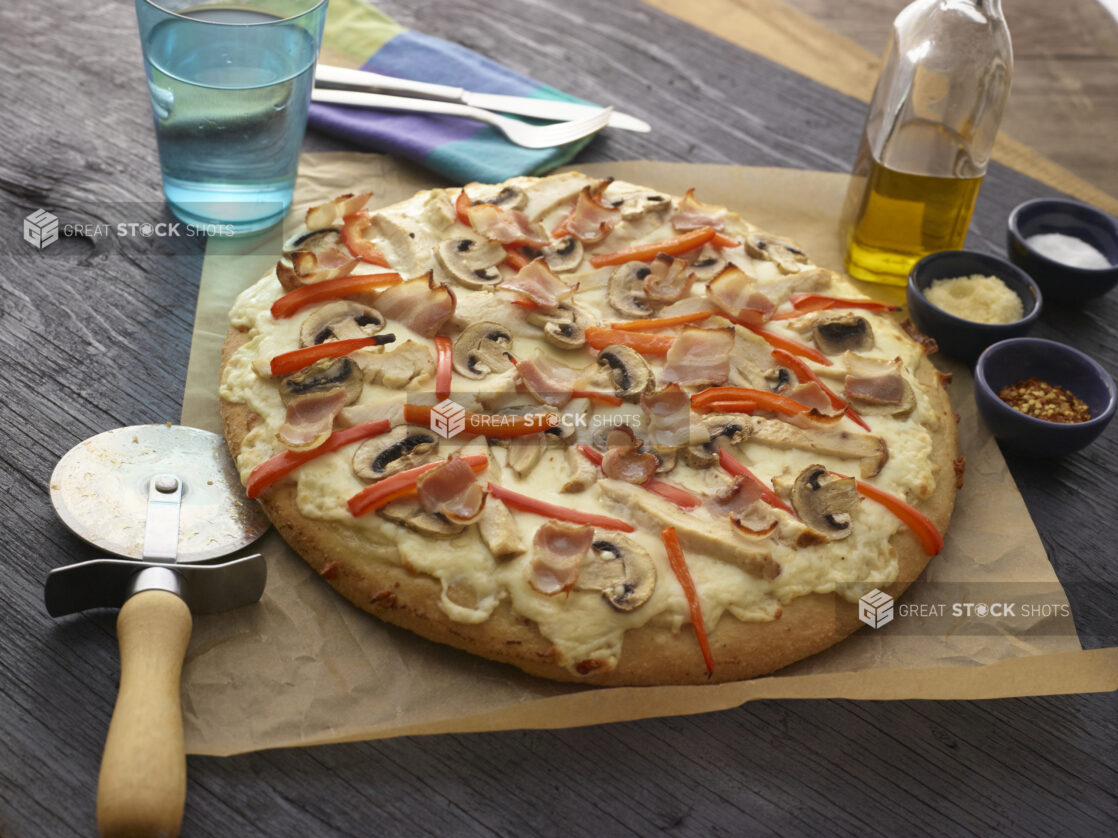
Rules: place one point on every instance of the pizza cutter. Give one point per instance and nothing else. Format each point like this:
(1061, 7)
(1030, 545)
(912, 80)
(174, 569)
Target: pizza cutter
(167, 500)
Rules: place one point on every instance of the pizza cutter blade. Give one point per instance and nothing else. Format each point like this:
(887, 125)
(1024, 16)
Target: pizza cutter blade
(167, 500)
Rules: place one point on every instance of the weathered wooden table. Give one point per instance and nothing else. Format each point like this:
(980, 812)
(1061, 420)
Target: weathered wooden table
(94, 333)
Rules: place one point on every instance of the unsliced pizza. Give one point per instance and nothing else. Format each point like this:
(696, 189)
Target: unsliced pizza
(596, 431)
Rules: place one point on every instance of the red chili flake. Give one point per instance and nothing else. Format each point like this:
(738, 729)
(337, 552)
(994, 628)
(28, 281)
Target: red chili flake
(1042, 400)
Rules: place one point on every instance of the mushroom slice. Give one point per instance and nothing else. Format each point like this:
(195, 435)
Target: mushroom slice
(823, 501)
(708, 264)
(471, 260)
(403, 447)
(557, 553)
(498, 530)
(729, 427)
(410, 513)
(626, 293)
(452, 490)
(838, 332)
(717, 539)
(322, 376)
(869, 450)
(564, 326)
(340, 320)
(563, 255)
(628, 371)
(621, 570)
(637, 206)
(481, 349)
(509, 197)
(784, 253)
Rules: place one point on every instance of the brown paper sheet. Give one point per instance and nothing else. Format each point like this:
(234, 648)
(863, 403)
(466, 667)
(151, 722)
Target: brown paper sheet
(305, 667)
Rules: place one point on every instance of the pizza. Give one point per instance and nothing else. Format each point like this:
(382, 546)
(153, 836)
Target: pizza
(598, 432)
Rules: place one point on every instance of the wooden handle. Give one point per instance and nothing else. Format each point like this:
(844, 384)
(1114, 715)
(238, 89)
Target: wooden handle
(142, 787)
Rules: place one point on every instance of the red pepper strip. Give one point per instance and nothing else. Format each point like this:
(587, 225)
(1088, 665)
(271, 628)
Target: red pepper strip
(763, 399)
(515, 258)
(918, 522)
(483, 424)
(787, 344)
(804, 374)
(462, 206)
(648, 252)
(670, 492)
(722, 240)
(662, 322)
(810, 302)
(353, 227)
(403, 484)
(531, 305)
(592, 454)
(281, 465)
(729, 406)
(560, 513)
(679, 568)
(600, 337)
(288, 362)
(330, 289)
(443, 348)
(595, 396)
(680, 497)
(737, 468)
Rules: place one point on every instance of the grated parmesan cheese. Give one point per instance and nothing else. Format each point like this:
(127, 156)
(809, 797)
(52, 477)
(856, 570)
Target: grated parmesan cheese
(982, 299)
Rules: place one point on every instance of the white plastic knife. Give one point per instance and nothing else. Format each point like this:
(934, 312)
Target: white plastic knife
(520, 105)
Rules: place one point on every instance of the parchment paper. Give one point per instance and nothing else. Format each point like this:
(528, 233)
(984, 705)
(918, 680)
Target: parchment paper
(305, 667)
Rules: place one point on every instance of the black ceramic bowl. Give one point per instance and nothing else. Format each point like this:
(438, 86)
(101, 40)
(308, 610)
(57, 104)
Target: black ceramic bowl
(1056, 215)
(1010, 361)
(965, 339)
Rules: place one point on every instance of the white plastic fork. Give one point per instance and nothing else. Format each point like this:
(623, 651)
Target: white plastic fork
(523, 134)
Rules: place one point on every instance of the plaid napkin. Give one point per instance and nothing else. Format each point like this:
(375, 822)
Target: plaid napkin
(463, 150)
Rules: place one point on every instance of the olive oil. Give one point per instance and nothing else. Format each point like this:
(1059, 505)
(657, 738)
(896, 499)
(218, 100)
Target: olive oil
(903, 217)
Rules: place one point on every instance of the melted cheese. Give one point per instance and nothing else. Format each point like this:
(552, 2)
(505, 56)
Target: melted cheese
(581, 625)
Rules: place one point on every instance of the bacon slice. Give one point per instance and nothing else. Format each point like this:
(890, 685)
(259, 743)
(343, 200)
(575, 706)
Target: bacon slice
(693, 214)
(668, 281)
(669, 412)
(324, 215)
(420, 304)
(624, 460)
(557, 554)
(453, 491)
(506, 226)
(589, 221)
(811, 394)
(550, 382)
(540, 284)
(699, 356)
(310, 419)
(873, 381)
(735, 292)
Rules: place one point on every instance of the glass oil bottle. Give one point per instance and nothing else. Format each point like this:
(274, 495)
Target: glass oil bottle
(928, 136)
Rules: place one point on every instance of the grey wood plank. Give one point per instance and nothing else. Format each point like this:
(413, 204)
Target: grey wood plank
(82, 354)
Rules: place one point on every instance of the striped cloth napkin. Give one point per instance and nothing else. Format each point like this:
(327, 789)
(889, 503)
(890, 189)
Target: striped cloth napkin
(462, 150)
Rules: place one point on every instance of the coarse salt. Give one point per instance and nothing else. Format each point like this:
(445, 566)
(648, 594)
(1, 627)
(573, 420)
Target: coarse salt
(1067, 250)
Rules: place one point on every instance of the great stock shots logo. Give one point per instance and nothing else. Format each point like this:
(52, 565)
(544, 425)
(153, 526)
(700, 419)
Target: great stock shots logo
(875, 609)
(448, 418)
(40, 229)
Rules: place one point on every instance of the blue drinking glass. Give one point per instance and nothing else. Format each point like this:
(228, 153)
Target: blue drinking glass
(230, 85)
